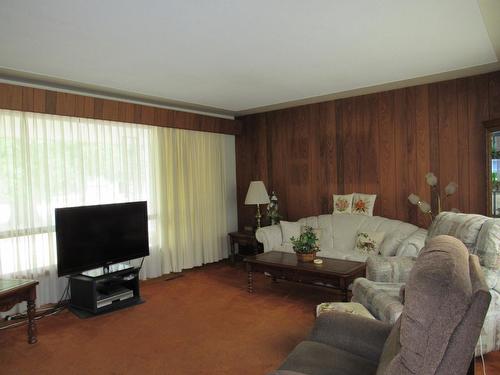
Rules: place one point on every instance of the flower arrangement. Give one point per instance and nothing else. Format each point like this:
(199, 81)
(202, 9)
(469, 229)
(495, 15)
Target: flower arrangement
(424, 206)
(307, 243)
(272, 209)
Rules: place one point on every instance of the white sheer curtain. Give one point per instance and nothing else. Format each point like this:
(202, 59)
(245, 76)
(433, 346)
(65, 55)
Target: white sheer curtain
(53, 161)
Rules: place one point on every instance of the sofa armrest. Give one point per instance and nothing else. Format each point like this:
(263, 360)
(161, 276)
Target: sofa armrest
(269, 236)
(389, 269)
(353, 333)
(383, 300)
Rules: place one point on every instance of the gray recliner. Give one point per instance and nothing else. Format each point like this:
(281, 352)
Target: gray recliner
(446, 299)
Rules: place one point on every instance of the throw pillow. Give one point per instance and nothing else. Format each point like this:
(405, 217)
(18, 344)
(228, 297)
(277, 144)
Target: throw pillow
(342, 204)
(368, 243)
(363, 204)
(290, 229)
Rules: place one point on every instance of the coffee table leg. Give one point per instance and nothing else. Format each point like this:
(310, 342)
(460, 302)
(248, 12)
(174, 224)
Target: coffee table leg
(250, 281)
(31, 322)
(250, 278)
(344, 289)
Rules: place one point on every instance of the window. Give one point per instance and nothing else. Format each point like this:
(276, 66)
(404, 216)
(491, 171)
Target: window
(52, 161)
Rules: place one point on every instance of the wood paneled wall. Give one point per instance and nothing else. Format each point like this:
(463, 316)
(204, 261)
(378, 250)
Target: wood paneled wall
(30, 99)
(381, 143)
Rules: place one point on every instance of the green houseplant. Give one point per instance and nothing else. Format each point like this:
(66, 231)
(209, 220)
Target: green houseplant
(306, 245)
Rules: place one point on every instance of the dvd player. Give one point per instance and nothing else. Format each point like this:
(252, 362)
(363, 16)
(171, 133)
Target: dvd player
(119, 295)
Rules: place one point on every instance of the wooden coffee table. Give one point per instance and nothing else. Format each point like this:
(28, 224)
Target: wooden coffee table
(333, 273)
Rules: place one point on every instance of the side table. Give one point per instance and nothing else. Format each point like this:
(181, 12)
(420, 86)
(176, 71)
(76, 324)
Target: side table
(14, 291)
(243, 238)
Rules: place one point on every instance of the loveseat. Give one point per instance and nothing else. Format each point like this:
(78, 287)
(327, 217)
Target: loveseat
(380, 291)
(338, 233)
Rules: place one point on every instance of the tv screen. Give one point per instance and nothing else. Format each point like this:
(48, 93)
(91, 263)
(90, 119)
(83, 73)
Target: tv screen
(95, 236)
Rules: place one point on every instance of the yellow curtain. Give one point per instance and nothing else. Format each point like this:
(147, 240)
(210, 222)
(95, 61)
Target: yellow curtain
(197, 189)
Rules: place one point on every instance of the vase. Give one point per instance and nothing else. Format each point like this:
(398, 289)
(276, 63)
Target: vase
(309, 257)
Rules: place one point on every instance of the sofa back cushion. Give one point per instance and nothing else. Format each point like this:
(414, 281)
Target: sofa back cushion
(325, 223)
(465, 227)
(339, 231)
(344, 230)
(411, 245)
(396, 232)
(290, 229)
(438, 296)
(488, 244)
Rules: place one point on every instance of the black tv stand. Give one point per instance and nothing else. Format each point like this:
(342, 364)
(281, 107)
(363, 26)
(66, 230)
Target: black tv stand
(93, 295)
(111, 268)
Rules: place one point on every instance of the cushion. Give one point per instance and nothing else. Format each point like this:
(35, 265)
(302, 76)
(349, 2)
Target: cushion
(437, 297)
(363, 204)
(325, 223)
(488, 244)
(342, 204)
(465, 227)
(344, 229)
(346, 307)
(311, 357)
(381, 299)
(289, 229)
(391, 243)
(389, 269)
(369, 242)
(412, 245)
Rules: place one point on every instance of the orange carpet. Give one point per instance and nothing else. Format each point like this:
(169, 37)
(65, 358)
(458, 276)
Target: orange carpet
(202, 323)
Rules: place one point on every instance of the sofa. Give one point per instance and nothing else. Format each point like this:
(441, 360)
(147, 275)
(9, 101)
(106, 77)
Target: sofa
(446, 302)
(380, 292)
(337, 238)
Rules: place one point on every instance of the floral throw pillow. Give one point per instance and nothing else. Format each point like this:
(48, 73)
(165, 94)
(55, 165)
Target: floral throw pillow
(363, 204)
(368, 243)
(342, 204)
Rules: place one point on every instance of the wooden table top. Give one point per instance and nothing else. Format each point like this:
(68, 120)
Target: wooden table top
(330, 266)
(10, 285)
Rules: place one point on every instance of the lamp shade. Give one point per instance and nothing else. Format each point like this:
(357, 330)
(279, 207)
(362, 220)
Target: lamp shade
(257, 193)
(413, 198)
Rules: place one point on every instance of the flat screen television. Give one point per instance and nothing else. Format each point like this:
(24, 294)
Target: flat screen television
(89, 237)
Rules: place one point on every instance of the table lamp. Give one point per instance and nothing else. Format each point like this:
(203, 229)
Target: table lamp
(257, 194)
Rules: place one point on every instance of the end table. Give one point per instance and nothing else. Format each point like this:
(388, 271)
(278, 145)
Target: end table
(15, 291)
(243, 238)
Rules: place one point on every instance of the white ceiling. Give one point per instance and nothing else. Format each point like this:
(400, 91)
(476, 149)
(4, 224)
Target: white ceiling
(237, 55)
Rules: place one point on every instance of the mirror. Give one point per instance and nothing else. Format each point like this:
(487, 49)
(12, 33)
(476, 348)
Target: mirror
(493, 167)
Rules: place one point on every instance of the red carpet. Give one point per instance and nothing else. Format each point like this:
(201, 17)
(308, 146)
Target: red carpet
(202, 323)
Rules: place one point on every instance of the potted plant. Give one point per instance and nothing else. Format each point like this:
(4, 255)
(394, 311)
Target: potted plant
(495, 182)
(306, 246)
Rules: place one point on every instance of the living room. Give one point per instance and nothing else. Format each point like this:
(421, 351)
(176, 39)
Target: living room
(183, 105)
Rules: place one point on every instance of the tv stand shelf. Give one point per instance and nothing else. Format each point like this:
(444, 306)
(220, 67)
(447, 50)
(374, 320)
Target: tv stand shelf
(92, 295)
